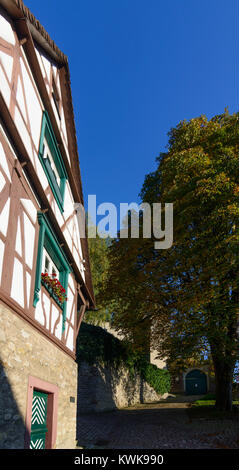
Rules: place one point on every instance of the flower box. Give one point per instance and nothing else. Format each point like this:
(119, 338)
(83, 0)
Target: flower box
(54, 287)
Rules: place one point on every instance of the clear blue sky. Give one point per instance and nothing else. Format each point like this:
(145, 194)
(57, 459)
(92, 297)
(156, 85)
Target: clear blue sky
(138, 67)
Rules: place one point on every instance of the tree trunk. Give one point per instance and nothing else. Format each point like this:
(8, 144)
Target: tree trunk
(223, 378)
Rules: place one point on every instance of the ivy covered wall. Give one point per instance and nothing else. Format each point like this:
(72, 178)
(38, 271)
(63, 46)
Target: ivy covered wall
(112, 375)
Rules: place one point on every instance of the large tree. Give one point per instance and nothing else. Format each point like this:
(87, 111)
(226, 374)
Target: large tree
(98, 253)
(189, 294)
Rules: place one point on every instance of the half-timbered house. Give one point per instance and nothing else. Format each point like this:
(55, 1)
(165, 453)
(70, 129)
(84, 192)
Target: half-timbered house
(45, 282)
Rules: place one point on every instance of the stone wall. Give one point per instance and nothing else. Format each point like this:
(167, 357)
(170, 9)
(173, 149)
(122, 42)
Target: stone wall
(23, 352)
(101, 388)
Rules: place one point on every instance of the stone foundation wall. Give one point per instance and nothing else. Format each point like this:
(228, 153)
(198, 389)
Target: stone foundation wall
(101, 389)
(23, 352)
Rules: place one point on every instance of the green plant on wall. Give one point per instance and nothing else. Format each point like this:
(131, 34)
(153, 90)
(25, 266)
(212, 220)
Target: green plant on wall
(96, 345)
(159, 379)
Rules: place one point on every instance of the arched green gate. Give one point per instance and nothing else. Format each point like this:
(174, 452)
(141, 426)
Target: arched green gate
(196, 382)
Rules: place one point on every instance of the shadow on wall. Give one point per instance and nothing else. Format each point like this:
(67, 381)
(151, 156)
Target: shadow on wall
(102, 388)
(12, 426)
(95, 392)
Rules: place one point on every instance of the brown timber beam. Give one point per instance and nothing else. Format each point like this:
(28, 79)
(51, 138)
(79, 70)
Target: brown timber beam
(29, 170)
(23, 32)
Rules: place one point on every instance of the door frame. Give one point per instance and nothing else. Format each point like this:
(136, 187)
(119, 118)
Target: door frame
(52, 406)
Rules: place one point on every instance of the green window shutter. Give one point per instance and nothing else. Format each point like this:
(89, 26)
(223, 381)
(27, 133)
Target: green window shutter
(39, 263)
(48, 240)
(64, 282)
(48, 134)
(39, 420)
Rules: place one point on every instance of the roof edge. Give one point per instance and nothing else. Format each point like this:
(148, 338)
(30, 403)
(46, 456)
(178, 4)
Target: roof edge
(17, 10)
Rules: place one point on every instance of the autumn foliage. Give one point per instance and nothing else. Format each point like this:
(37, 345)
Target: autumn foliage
(187, 296)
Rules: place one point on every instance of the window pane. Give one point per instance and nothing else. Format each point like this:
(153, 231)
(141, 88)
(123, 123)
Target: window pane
(46, 264)
(48, 156)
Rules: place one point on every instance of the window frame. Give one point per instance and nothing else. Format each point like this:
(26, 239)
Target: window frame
(48, 240)
(52, 266)
(48, 134)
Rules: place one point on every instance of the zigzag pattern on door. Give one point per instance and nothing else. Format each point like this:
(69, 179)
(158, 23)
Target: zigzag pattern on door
(38, 444)
(38, 410)
(39, 420)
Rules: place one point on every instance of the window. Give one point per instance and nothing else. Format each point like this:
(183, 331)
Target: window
(48, 265)
(52, 161)
(51, 261)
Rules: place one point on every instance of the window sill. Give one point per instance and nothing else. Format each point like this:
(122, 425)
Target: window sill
(52, 294)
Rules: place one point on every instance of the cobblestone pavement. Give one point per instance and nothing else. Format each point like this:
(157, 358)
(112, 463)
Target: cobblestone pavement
(162, 425)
